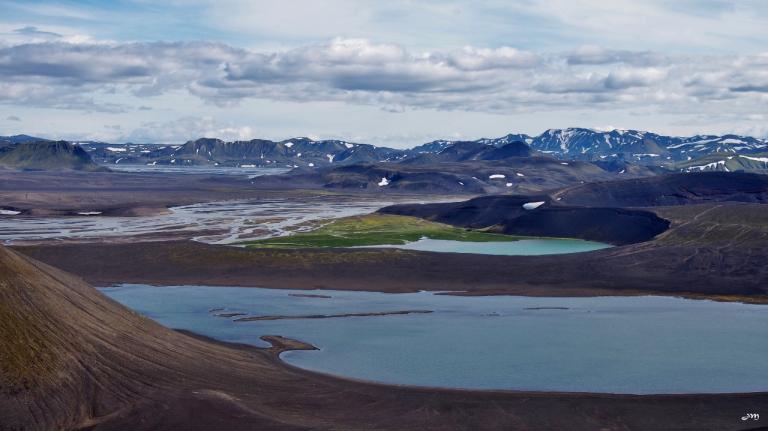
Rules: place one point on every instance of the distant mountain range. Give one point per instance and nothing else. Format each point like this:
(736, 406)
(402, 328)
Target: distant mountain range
(617, 147)
(17, 139)
(631, 145)
(290, 153)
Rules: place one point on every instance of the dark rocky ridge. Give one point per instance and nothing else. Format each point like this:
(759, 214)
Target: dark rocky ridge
(505, 214)
(595, 210)
(673, 189)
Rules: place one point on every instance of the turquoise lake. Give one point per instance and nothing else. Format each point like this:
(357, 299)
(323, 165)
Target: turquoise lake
(636, 345)
(523, 247)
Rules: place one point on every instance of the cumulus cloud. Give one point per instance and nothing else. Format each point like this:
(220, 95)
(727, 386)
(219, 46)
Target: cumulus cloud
(592, 55)
(484, 59)
(613, 81)
(133, 63)
(504, 79)
(168, 132)
(626, 78)
(359, 65)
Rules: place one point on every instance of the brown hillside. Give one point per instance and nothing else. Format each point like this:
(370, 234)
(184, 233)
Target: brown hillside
(73, 359)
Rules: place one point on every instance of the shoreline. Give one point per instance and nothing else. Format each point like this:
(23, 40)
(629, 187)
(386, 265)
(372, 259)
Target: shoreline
(329, 316)
(284, 344)
(643, 269)
(709, 252)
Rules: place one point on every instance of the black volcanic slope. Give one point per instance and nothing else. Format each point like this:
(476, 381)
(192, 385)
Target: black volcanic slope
(512, 149)
(47, 155)
(673, 189)
(594, 211)
(506, 214)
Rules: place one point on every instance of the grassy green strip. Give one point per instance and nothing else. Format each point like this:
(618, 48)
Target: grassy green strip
(377, 229)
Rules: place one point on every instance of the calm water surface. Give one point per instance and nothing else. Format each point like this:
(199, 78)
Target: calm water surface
(605, 344)
(523, 247)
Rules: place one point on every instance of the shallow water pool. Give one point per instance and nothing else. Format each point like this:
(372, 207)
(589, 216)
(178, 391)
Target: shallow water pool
(637, 345)
(523, 247)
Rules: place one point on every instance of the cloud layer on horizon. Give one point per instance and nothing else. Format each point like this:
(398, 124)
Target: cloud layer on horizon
(358, 71)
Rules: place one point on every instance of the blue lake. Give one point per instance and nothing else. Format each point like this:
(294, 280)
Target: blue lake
(523, 247)
(604, 344)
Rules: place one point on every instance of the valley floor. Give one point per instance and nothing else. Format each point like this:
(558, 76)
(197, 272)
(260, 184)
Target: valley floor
(704, 254)
(116, 370)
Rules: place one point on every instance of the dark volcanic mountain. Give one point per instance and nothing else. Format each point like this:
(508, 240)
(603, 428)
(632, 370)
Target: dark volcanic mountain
(46, 155)
(512, 149)
(538, 216)
(594, 210)
(672, 189)
(440, 145)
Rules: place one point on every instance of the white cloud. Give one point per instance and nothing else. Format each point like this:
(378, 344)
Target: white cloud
(361, 72)
(169, 132)
(471, 58)
(593, 54)
(112, 77)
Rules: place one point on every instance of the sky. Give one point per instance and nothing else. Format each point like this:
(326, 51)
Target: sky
(397, 73)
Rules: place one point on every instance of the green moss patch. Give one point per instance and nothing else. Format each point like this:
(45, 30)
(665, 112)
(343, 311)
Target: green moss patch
(377, 229)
